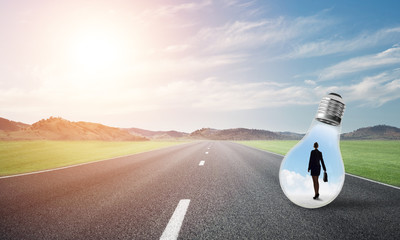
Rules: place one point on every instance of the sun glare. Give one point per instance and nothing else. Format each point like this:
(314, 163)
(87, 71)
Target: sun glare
(97, 50)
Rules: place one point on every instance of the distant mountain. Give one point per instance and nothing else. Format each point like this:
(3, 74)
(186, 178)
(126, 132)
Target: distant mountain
(291, 135)
(242, 134)
(61, 129)
(156, 134)
(216, 134)
(56, 128)
(379, 132)
(8, 125)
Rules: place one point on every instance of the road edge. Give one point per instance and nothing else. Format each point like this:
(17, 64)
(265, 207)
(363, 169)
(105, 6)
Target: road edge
(349, 174)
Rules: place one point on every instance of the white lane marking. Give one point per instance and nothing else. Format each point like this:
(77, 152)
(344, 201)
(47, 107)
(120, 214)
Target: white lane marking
(201, 163)
(384, 184)
(370, 180)
(175, 223)
(206, 152)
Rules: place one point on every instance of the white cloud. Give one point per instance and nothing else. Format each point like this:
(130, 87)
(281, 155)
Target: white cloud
(176, 48)
(170, 10)
(310, 82)
(184, 66)
(239, 37)
(217, 95)
(220, 95)
(333, 46)
(300, 190)
(231, 36)
(171, 80)
(135, 93)
(239, 3)
(375, 90)
(266, 33)
(388, 57)
(211, 94)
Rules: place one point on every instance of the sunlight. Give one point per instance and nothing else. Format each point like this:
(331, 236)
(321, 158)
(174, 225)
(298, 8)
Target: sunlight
(97, 50)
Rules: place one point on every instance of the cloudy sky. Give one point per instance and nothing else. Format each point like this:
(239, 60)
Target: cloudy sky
(185, 65)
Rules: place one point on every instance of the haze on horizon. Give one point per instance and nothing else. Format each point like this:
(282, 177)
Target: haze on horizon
(184, 65)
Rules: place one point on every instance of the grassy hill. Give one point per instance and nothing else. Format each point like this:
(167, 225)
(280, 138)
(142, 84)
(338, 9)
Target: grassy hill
(241, 134)
(156, 134)
(379, 132)
(60, 129)
(8, 125)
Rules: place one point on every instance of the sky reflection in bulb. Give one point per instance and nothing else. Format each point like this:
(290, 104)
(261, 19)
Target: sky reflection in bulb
(296, 182)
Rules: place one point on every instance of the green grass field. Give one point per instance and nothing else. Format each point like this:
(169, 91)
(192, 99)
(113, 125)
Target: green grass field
(27, 156)
(376, 160)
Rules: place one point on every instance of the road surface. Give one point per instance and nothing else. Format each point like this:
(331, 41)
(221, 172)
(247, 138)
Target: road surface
(201, 190)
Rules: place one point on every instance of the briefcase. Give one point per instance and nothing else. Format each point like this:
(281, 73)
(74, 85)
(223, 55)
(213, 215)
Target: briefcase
(325, 177)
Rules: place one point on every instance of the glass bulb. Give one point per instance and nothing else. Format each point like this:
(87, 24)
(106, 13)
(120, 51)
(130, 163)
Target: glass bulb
(294, 177)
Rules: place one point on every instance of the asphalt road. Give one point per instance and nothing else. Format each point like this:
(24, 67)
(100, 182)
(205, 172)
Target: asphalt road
(234, 195)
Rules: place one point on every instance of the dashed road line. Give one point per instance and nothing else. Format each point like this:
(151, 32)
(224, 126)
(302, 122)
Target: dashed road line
(171, 232)
(202, 163)
(206, 152)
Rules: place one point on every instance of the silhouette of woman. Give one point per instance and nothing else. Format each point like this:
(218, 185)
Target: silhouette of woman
(315, 167)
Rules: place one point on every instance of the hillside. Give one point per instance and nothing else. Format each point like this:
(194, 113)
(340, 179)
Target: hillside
(216, 134)
(156, 134)
(291, 135)
(241, 134)
(379, 132)
(8, 125)
(61, 129)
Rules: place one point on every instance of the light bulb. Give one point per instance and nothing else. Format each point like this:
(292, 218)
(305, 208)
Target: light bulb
(295, 179)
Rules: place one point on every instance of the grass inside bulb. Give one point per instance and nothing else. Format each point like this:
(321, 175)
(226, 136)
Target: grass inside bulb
(295, 179)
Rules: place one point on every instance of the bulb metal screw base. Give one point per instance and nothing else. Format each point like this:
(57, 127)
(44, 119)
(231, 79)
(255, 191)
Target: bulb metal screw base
(331, 109)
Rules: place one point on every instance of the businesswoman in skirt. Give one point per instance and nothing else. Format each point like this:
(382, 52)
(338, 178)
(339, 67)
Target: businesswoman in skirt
(315, 167)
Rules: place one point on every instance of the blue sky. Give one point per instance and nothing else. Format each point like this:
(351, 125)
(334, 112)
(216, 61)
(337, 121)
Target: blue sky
(185, 65)
(297, 159)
